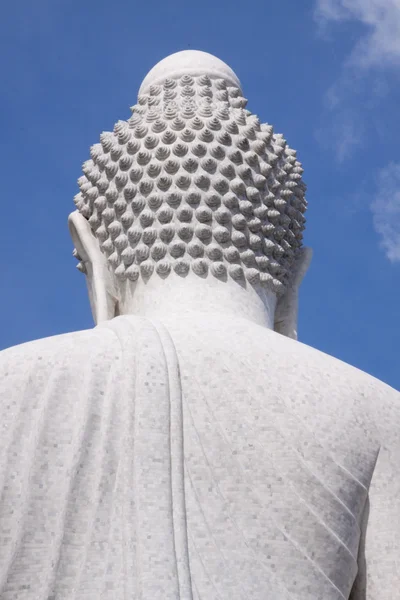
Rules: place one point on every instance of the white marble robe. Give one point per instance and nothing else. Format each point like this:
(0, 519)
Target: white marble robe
(202, 458)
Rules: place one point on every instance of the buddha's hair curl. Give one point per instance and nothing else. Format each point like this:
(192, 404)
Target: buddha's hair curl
(194, 181)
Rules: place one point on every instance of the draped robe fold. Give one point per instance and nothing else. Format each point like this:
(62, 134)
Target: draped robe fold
(179, 461)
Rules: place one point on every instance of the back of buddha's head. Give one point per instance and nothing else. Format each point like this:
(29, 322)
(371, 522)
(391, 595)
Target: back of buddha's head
(193, 181)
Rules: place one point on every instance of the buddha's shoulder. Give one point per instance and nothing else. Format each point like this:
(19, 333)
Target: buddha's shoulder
(67, 351)
(336, 386)
(332, 369)
(315, 366)
(284, 362)
(309, 378)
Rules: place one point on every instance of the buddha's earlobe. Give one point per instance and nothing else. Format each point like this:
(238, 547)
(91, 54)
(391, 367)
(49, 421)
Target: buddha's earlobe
(101, 287)
(286, 312)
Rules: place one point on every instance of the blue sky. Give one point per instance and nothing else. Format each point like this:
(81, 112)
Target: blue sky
(325, 73)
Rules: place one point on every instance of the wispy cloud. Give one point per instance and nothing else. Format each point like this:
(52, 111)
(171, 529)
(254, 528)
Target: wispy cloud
(380, 44)
(365, 76)
(386, 210)
(343, 132)
(361, 84)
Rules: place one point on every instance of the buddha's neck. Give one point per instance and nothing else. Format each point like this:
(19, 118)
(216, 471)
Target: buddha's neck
(180, 295)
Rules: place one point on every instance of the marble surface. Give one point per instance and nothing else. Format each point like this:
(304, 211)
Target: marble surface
(187, 448)
(194, 458)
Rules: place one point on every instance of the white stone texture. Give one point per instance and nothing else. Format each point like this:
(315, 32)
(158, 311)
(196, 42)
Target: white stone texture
(184, 450)
(203, 458)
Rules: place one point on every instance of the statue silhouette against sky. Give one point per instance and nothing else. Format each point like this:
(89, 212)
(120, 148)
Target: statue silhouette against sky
(189, 447)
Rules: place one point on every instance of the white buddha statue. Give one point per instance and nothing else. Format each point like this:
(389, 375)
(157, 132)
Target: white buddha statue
(189, 447)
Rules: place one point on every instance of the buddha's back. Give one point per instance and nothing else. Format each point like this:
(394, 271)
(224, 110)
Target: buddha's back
(201, 456)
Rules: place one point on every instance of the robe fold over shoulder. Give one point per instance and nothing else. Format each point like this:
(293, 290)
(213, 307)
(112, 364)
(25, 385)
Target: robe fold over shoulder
(201, 458)
(91, 480)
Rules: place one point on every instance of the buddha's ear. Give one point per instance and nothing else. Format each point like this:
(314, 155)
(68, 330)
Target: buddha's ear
(286, 312)
(100, 283)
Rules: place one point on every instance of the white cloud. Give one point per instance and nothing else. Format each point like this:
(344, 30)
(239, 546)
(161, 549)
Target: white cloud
(380, 44)
(360, 87)
(386, 210)
(344, 133)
